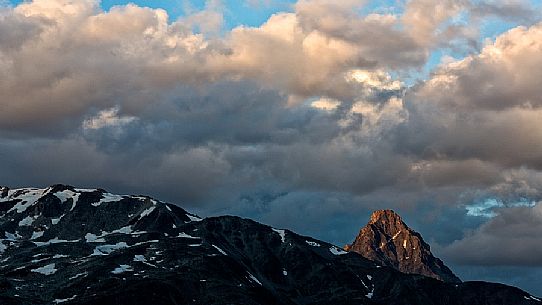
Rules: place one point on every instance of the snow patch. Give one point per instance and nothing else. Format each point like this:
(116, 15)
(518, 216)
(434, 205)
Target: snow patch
(122, 268)
(36, 235)
(123, 230)
(39, 260)
(220, 250)
(145, 242)
(27, 196)
(253, 278)
(146, 212)
(193, 218)
(58, 301)
(108, 249)
(184, 235)
(139, 258)
(27, 221)
(45, 270)
(371, 293)
(68, 194)
(281, 233)
(137, 233)
(106, 198)
(337, 251)
(53, 241)
(93, 238)
(54, 221)
(78, 275)
(86, 190)
(11, 236)
(312, 243)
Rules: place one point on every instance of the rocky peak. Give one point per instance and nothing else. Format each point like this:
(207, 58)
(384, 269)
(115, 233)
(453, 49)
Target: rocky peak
(386, 239)
(387, 218)
(383, 215)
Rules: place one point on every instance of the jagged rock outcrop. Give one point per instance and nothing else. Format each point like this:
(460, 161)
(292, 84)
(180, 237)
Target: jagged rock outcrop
(387, 240)
(63, 245)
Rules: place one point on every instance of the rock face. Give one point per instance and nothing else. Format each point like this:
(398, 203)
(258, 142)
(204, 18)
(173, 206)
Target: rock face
(63, 245)
(387, 240)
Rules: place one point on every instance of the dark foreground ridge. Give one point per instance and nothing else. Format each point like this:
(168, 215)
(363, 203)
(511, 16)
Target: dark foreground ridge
(63, 245)
(387, 240)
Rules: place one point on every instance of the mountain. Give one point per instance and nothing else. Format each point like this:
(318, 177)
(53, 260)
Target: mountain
(386, 239)
(63, 245)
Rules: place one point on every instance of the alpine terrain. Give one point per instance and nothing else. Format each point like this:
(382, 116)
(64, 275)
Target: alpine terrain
(63, 245)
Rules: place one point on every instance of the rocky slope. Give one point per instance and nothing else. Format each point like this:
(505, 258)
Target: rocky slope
(386, 239)
(63, 245)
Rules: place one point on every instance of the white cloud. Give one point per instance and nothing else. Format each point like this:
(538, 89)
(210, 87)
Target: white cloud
(108, 118)
(326, 104)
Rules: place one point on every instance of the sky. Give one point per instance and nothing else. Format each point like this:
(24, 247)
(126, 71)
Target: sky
(306, 115)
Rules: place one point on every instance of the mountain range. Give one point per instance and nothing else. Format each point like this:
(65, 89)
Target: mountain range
(64, 245)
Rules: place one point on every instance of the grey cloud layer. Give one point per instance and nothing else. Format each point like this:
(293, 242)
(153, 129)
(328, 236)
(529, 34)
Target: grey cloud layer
(304, 114)
(511, 238)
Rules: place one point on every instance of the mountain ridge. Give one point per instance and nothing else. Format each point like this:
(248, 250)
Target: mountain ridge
(64, 245)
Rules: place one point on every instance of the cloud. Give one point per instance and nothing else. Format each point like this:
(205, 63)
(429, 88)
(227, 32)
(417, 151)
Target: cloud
(209, 20)
(511, 238)
(131, 58)
(499, 78)
(481, 108)
(310, 99)
(456, 23)
(424, 18)
(107, 118)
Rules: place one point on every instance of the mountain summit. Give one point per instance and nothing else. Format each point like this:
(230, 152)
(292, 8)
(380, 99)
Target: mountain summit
(386, 239)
